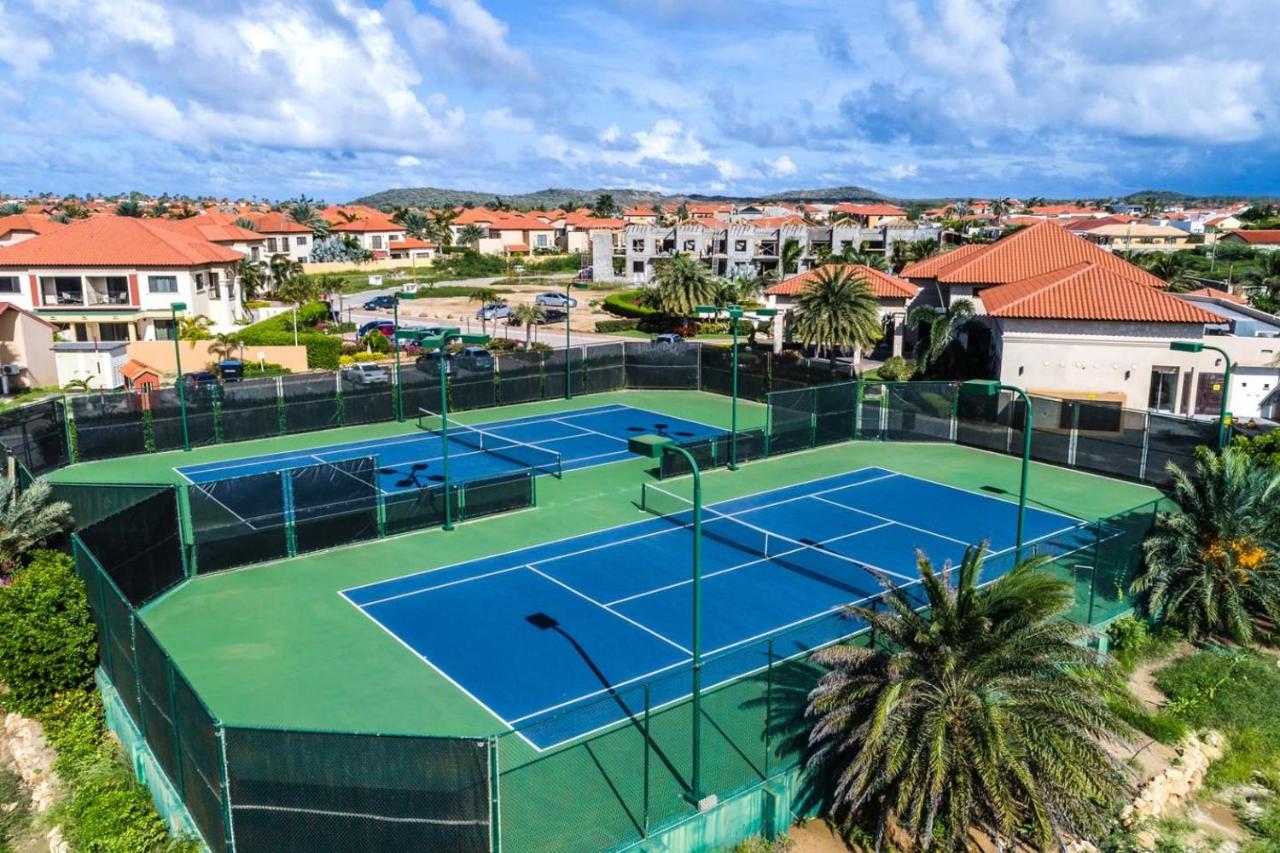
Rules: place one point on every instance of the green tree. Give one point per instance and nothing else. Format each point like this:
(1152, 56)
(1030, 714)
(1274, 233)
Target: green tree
(605, 206)
(1213, 567)
(194, 327)
(246, 224)
(441, 230)
(305, 211)
(485, 296)
(283, 272)
(131, 208)
(12, 208)
(416, 224)
(252, 277)
(1172, 267)
(941, 328)
(27, 518)
(528, 314)
(1263, 282)
(471, 235)
(681, 284)
(838, 312)
(984, 710)
(792, 251)
(225, 345)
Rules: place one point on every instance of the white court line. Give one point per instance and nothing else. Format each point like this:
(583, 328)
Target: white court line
(899, 523)
(587, 431)
(608, 609)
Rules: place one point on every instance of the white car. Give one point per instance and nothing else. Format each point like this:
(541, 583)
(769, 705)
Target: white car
(555, 300)
(367, 374)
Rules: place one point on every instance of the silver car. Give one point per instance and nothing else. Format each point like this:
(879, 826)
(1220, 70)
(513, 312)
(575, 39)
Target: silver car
(494, 311)
(367, 374)
(555, 300)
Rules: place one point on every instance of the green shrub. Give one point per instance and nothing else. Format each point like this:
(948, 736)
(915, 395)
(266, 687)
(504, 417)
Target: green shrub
(1157, 726)
(73, 723)
(322, 350)
(606, 326)
(499, 345)
(896, 369)
(47, 641)
(561, 263)
(108, 811)
(624, 304)
(254, 370)
(375, 341)
(13, 807)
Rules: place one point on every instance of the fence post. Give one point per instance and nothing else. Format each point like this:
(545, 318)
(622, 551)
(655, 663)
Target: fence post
(216, 405)
(180, 782)
(768, 422)
(339, 402)
(185, 537)
(70, 427)
(1093, 577)
(229, 829)
(953, 432)
(133, 652)
(813, 418)
(768, 706)
(495, 798)
(857, 410)
(1074, 441)
(644, 830)
(280, 406)
(1146, 436)
(286, 497)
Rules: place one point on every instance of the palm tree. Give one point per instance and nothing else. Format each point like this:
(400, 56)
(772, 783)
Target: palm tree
(225, 345)
(838, 311)
(130, 207)
(1213, 567)
(26, 519)
(529, 314)
(415, 223)
(246, 224)
(303, 211)
(80, 385)
(792, 251)
(999, 208)
(1266, 278)
(484, 296)
(441, 230)
(252, 277)
(282, 270)
(194, 327)
(983, 711)
(471, 235)
(943, 327)
(1172, 267)
(681, 284)
(604, 207)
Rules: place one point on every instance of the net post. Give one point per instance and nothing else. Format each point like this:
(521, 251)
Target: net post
(280, 410)
(648, 746)
(495, 797)
(857, 409)
(1093, 575)
(768, 705)
(290, 527)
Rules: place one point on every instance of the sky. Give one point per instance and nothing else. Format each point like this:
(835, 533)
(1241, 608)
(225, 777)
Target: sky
(913, 98)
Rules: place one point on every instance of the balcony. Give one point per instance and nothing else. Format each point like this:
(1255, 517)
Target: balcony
(84, 292)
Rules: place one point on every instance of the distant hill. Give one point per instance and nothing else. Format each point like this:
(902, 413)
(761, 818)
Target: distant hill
(564, 197)
(1162, 196)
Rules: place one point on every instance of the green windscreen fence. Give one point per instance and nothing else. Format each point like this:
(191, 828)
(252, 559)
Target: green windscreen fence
(36, 436)
(140, 546)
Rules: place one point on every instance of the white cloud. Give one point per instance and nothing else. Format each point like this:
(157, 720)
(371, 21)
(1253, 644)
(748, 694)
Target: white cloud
(503, 119)
(666, 142)
(900, 171)
(783, 167)
(610, 134)
(20, 50)
(468, 41)
(407, 161)
(106, 21)
(155, 114)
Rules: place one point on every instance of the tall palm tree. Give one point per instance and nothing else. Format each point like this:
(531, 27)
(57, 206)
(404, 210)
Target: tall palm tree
(471, 235)
(999, 209)
(415, 223)
(792, 252)
(1213, 567)
(681, 284)
(983, 711)
(304, 211)
(529, 315)
(282, 270)
(1172, 267)
(484, 296)
(26, 519)
(130, 207)
(441, 230)
(252, 277)
(225, 345)
(943, 326)
(838, 311)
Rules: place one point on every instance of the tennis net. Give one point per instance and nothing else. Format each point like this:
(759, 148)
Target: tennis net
(811, 557)
(521, 453)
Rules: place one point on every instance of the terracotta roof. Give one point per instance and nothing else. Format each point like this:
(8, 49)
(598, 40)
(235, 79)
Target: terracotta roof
(1041, 248)
(1060, 209)
(133, 370)
(374, 221)
(773, 222)
(1218, 294)
(275, 222)
(409, 243)
(1260, 237)
(884, 285)
(520, 224)
(516, 247)
(1088, 291)
(474, 216)
(27, 222)
(214, 232)
(869, 209)
(116, 241)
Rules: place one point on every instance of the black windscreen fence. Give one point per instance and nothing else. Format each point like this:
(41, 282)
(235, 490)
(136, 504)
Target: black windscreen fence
(140, 547)
(296, 792)
(166, 407)
(237, 522)
(472, 384)
(92, 502)
(310, 401)
(520, 379)
(671, 366)
(365, 403)
(420, 385)
(250, 409)
(36, 435)
(334, 503)
(603, 368)
(107, 425)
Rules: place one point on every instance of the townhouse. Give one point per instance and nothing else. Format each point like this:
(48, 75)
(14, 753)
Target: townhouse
(893, 294)
(280, 236)
(24, 226)
(373, 231)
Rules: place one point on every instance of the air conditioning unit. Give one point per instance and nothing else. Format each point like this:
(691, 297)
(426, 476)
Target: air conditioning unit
(13, 369)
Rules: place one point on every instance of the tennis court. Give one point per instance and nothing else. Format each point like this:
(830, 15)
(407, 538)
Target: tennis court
(549, 443)
(535, 634)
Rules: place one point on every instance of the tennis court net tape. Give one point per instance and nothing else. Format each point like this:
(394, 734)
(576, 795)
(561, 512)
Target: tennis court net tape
(519, 452)
(748, 537)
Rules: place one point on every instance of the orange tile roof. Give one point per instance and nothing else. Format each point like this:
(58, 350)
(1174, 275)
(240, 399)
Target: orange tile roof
(516, 247)
(375, 221)
(275, 222)
(774, 222)
(1218, 294)
(520, 224)
(884, 285)
(869, 209)
(475, 216)
(133, 370)
(27, 222)
(1059, 209)
(409, 243)
(214, 232)
(116, 241)
(1041, 248)
(1089, 291)
(1261, 237)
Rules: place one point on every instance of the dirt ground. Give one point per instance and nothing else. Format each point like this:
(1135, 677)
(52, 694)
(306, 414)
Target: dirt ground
(461, 311)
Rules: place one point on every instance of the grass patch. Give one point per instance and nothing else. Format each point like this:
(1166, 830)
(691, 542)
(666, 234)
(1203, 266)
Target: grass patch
(449, 291)
(28, 396)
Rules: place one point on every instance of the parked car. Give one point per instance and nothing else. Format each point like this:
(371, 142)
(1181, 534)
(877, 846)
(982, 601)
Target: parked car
(555, 300)
(200, 377)
(231, 369)
(553, 315)
(476, 358)
(380, 302)
(494, 311)
(667, 339)
(366, 374)
(386, 327)
(586, 274)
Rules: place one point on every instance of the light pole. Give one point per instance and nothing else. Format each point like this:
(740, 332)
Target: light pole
(1197, 346)
(568, 351)
(653, 447)
(174, 308)
(735, 314)
(991, 388)
(395, 342)
(444, 435)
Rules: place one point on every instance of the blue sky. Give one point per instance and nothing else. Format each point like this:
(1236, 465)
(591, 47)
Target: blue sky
(337, 98)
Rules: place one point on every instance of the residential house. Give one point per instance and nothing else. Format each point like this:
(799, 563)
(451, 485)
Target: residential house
(640, 216)
(281, 236)
(893, 294)
(114, 278)
(226, 234)
(522, 234)
(26, 350)
(412, 249)
(24, 226)
(576, 235)
(1262, 240)
(867, 215)
(1134, 236)
(374, 232)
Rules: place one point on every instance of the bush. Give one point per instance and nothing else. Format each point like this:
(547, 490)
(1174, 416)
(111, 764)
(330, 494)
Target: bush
(896, 369)
(624, 304)
(375, 341)
(498, 345)
(254, 370)
(606, 326)
(47, 641)
(110, 812)
(322, 350)
(365, 357)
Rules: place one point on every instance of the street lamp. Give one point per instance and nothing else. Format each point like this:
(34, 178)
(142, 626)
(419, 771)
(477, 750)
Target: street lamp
(174, 308)
(444, 434)
(395, 341)
(653, 447)
(1197, 346)
(568, 352)
(735, 314)
(990, 388)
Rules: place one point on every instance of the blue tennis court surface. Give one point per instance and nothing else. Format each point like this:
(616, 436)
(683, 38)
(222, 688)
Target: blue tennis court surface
(581, 438)
(548, 638)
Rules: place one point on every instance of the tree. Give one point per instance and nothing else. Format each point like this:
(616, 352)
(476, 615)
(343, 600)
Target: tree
(246, 224)
(131, 208)
(194, 327)
(485, 296)
(282, 271)
(983, 711)
(792, 251)
(304, 211)
(529, 314)
(252, 277)
(604, 207)
(12, 208)
(1151, 206)
(415, 223)
(471, 235)
(1172, 267)
(26, 519)
(295, 286)
(225, 345)
(838, 311)
(1263, 283)
(1213, 567)
(681, 284)
(942, 328)
(999, 209)
(441, 229)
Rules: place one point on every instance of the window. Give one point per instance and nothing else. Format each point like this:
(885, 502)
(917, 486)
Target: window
(113, 331)
(162, 284)
(199, 282)
(637, 245)
(541, 240)
(1164, 389)
(739, 245)
(301, 240)
(271, 245)
(255, 253)
(376, 242)
(9, 284)
(117, 290)
(214, 293)
(164, 330)
(637, 266)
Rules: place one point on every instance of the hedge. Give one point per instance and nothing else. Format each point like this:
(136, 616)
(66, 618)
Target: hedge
(623, 304)
(323, 350)
(606, 326)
